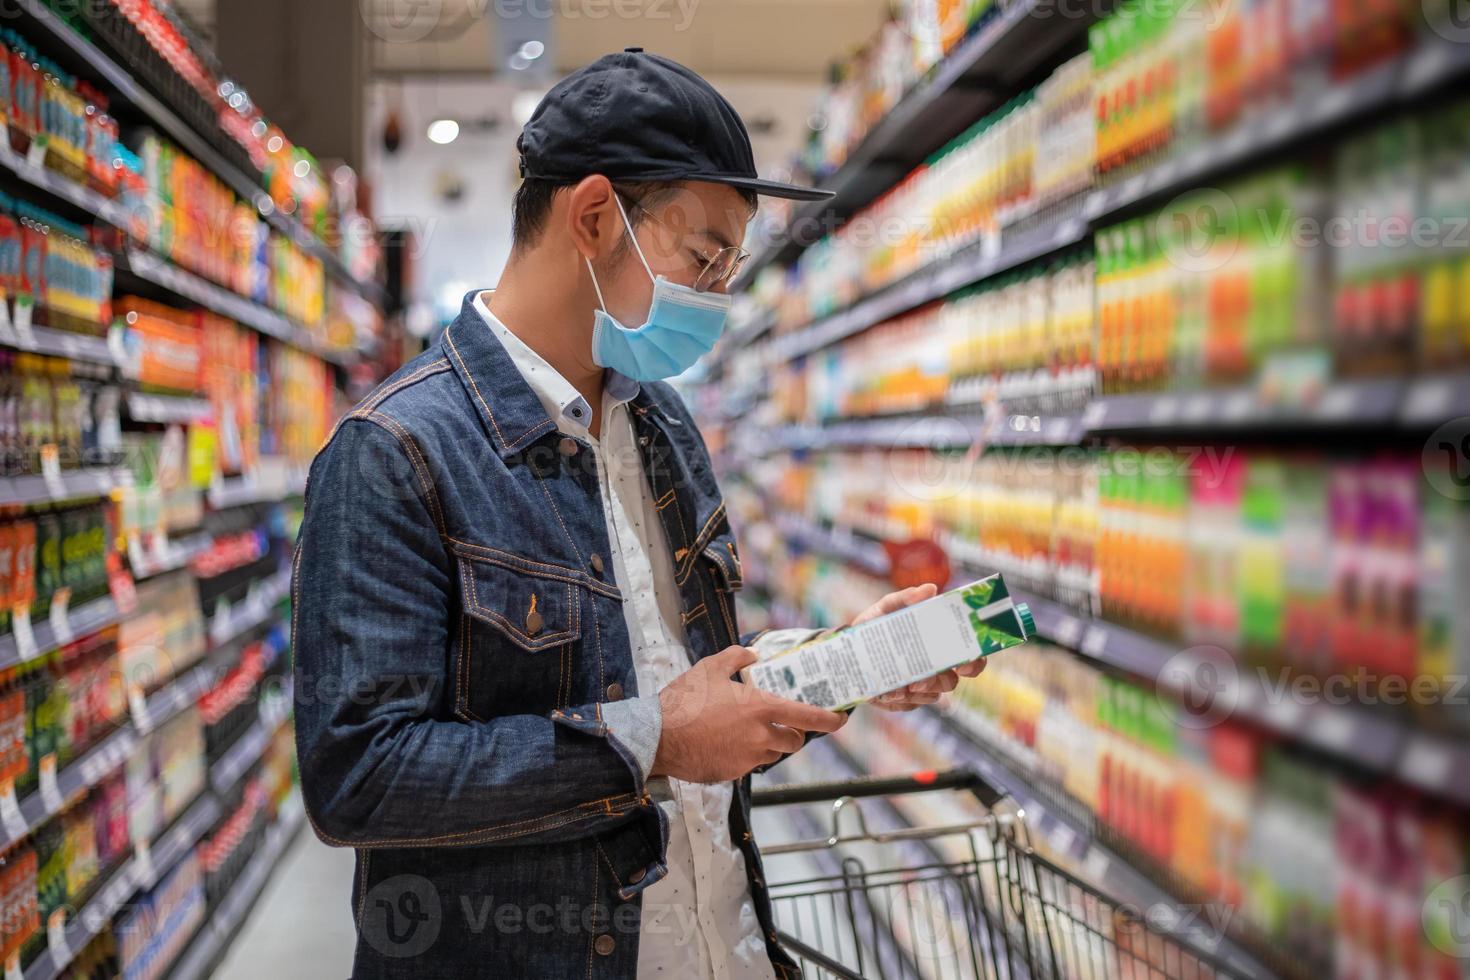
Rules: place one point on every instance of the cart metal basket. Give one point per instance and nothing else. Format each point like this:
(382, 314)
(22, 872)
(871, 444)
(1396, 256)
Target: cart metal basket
(967, 900)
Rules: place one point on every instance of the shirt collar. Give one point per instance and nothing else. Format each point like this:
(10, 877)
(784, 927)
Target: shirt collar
(557, 395)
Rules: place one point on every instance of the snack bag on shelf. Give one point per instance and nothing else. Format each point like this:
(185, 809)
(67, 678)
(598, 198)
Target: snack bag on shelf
(862, 662)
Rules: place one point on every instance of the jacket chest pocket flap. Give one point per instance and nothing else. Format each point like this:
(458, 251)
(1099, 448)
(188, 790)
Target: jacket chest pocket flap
(720, 552)
(535, 612)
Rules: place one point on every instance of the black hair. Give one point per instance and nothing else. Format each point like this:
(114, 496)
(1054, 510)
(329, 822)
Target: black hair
(532, 205)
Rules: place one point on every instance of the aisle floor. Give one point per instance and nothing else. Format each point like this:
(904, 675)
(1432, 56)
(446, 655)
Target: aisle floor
(301, 927)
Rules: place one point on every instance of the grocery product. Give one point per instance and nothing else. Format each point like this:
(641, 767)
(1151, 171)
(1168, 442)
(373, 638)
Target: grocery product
(915, 643)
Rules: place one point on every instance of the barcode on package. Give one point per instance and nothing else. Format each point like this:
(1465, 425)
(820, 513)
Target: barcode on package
(818, 693)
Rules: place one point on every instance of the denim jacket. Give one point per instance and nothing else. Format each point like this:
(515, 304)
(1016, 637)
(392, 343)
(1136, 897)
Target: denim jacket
(457, 631)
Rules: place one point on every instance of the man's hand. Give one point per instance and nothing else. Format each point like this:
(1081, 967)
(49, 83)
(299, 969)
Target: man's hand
(716, 729)
(926, 691)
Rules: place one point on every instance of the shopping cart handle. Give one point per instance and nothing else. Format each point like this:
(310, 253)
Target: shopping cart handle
(919, 782)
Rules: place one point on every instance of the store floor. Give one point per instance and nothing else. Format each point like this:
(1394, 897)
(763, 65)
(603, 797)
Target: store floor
(302, 924)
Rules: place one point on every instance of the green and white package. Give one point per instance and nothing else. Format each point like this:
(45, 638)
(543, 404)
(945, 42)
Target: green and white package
(862, 662)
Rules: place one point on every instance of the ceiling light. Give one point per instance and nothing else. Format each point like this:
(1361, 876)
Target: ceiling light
(532, 50)
(519, 62)
(302, 168)
(443, 131)
(523, 105)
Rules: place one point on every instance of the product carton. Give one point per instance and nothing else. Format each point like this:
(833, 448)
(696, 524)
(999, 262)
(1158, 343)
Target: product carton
(862, 662)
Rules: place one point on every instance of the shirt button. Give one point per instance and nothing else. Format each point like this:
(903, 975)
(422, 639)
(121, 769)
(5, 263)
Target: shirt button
(596, 563)
(567, 447)
(615, 691)
(604, 945)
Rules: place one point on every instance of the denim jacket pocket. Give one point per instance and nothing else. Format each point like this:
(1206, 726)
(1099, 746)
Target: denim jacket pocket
(520, 637)
(720, 552)
(534, 612)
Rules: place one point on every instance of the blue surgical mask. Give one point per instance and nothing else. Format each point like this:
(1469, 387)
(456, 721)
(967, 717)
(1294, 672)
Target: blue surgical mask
(682, 326)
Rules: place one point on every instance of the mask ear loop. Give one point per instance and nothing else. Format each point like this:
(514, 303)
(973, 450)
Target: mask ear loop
(628, 229)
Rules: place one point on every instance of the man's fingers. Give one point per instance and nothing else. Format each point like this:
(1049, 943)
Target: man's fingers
(971, 669)
(805, 717)
(732, 659)
(785, 739)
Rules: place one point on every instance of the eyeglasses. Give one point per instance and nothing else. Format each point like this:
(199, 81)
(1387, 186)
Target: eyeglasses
(714, 269)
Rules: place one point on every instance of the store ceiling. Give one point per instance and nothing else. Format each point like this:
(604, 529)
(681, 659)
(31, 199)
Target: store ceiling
(788, 40)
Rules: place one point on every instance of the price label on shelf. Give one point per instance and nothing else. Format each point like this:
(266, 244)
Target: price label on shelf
(56, 936)
(1094, 641)
(36, 152)
(61, 617)
(137, 556)
(12, 967)
(25, 308)
(1428, 400)
(15, 823)
(1428, 764)
(51, 471)
(124, 592)
(143, 868)
(219, 626)
(7, 329)
(50, 790)
(25, 635)
(1067, 631)
(138, 709)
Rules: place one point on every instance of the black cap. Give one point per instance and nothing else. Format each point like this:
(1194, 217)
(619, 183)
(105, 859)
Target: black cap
(636, 116)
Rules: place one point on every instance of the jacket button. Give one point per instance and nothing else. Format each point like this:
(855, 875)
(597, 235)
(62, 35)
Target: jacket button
(615, 691)
(596, 563)
(533, 623)
(567, 447)
(638, 876)
(604, 945)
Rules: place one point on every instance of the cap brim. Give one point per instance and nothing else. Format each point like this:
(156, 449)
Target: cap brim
(770, 188)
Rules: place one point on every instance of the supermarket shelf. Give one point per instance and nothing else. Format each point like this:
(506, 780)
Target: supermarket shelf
(171, 848)
(927, 431)
(231, 622)
(932, 282)
(95, 481)
(129, 90)
(64, 343)
(153, 268)
(246, 751)
(167, 409)
(241, 491)
(214, 937)
(1310, 115)
(1434, 399)
(100, 761)
(84, 620)
(172, 556)
(975, 78)
(1371, 402)
(1073, 837)
(1355, 735)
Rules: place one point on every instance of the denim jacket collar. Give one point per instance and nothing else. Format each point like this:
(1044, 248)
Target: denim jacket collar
(488, 374)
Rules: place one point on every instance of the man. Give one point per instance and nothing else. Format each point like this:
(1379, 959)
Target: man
(512, 602)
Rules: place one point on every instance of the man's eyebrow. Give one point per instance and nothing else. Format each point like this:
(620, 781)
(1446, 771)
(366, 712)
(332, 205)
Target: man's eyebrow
(717, 236)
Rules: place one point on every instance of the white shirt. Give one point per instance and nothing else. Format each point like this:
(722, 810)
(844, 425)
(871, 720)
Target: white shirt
(699, 920)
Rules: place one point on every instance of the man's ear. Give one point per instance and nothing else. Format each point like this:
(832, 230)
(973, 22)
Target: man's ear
(592, 219)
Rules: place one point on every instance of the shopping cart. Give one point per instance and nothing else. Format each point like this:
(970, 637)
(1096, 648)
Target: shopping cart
(964, 900)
